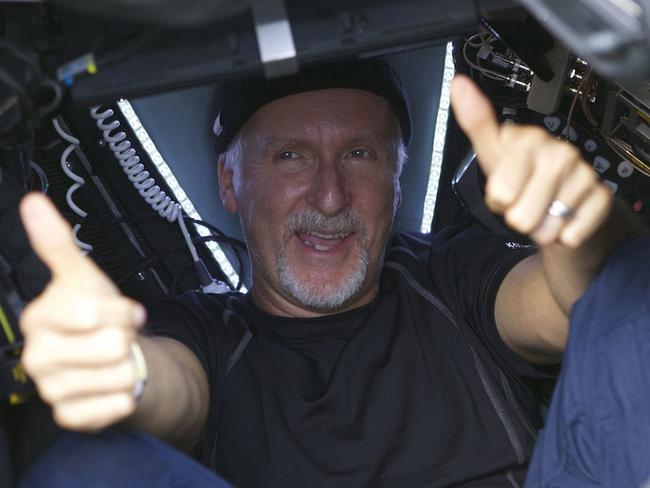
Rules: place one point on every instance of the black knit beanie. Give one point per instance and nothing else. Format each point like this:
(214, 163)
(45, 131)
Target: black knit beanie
(238, 101)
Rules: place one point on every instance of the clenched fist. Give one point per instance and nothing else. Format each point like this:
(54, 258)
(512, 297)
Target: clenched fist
(541, 185)
(78, 332)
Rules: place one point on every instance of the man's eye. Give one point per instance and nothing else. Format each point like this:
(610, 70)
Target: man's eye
(287, 155)
(359, 154)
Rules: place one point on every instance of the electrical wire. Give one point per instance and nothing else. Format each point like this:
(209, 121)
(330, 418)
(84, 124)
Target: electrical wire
(565, 133)
(18, 86)
(498, 96)
(580, 92)
(127, 157)
(584, 101)
(487, 72)
(151, 260)
(493, 75)
(78, 182)
(215, 230)
(236, 245)
(45, 183)
(146, 186)
(484, 40)
(188, 238)
(58, 96)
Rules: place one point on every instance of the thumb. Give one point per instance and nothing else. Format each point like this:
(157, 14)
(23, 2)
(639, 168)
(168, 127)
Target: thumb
(476, 117)
(52, 240)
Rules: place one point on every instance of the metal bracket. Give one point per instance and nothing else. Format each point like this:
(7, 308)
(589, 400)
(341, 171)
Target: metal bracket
(274, 38)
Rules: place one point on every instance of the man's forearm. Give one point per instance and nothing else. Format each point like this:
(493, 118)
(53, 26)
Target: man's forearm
(174, 404)
(569, 271)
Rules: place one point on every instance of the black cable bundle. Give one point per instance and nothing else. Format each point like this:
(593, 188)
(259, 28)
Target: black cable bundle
(26, 93)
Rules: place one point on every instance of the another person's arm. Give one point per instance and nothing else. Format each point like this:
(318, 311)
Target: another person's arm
(78, 346)
(527, 170)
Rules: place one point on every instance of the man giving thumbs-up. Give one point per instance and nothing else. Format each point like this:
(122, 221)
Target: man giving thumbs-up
(354, 362)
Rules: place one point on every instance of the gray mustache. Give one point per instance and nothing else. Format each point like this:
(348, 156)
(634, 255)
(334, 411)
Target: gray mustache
(344, 222)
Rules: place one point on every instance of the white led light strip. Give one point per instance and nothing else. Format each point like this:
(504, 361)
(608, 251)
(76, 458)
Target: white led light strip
(178, 192)
(439, 137)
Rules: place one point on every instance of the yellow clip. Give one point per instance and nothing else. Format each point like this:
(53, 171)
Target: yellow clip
(19, 374)
(16, 399)
(91, 68)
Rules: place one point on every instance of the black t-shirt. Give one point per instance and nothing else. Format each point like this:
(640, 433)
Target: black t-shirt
(414, 389)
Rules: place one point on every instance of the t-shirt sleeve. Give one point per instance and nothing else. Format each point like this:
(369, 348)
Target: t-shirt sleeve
(184, 320)
(467, 266)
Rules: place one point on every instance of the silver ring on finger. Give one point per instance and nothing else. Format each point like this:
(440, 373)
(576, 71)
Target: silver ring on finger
(560, 210)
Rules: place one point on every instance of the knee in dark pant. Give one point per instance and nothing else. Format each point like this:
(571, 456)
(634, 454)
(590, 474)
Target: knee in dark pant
(626, 272)
(622, 289)
(84, 457)
(117, 458)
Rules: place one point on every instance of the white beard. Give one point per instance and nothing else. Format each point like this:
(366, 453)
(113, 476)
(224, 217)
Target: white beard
(315, 293)
(321, 295)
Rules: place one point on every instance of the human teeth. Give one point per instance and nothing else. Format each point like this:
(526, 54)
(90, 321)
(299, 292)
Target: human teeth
(318, 247)
(329, 236)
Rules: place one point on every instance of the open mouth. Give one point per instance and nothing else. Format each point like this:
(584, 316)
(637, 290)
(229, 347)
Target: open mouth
(323, 242)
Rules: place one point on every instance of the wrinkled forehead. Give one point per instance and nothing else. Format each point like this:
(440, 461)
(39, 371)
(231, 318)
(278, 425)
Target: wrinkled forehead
(328, 115)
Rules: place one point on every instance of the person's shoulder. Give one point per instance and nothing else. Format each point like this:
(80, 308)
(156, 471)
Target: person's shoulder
(472, 235)
(195, 317)
(418, 243)
(453, 248)
(407, 257)
(211, 300)
(196, 303)
(408, 242)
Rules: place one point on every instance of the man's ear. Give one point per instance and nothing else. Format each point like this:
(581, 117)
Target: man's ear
(227, 187)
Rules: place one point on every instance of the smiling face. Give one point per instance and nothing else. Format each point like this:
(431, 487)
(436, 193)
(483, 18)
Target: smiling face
(315, 186)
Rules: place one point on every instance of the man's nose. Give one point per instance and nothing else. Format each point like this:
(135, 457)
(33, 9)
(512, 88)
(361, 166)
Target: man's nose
(329, 192)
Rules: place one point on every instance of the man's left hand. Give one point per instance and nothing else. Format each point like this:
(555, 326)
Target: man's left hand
(540, 184)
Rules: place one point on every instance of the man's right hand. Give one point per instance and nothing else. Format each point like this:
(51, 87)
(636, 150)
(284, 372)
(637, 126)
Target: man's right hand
(78, 332)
